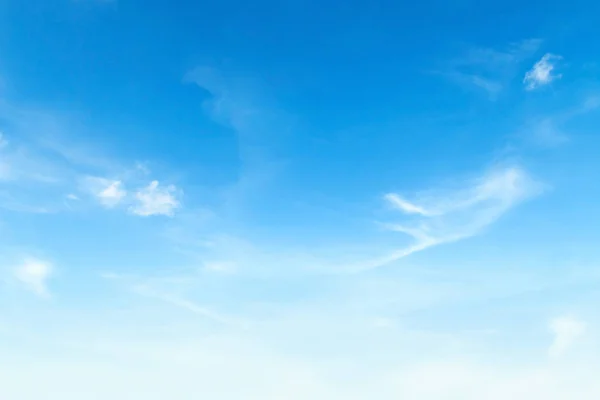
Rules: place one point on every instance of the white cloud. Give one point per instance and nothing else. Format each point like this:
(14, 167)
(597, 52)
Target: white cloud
(107, 191)
(566, 331)
(155, 200)
(542, 72)
(112, 194)
(34, 274)
(449, 216)
(149, 200)
(72, 197)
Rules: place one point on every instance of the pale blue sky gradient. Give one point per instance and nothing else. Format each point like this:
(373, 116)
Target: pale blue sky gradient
(299, 200)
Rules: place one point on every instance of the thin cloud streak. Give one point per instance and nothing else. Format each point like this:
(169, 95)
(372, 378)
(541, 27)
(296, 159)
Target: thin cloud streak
(185, 304)
(455, 215)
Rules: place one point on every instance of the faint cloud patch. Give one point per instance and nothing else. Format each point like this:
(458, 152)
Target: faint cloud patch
(155, 200)
(542, 72)
(108, 192)
(547, 133)
(242, 104)
(34, 274)
(552, 130)
(566, 331)
(72, 197)
(222, 267)
(490, 70)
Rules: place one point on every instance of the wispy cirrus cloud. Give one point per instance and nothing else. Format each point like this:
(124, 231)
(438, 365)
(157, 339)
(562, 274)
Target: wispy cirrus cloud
(542, 73)
(431, 218)
(451, 215)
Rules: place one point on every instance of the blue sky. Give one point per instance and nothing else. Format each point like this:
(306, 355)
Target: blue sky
(299, 200)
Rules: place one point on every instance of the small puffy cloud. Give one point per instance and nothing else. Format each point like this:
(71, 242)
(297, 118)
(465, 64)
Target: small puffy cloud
(34, 274)
(146, 201)
(566, 331)
(107, 191)
(155, 200)
(542, 72)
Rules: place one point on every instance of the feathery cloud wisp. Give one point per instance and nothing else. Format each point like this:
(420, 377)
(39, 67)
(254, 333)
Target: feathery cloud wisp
(405, 206)
(542, 72)
(451, 216)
